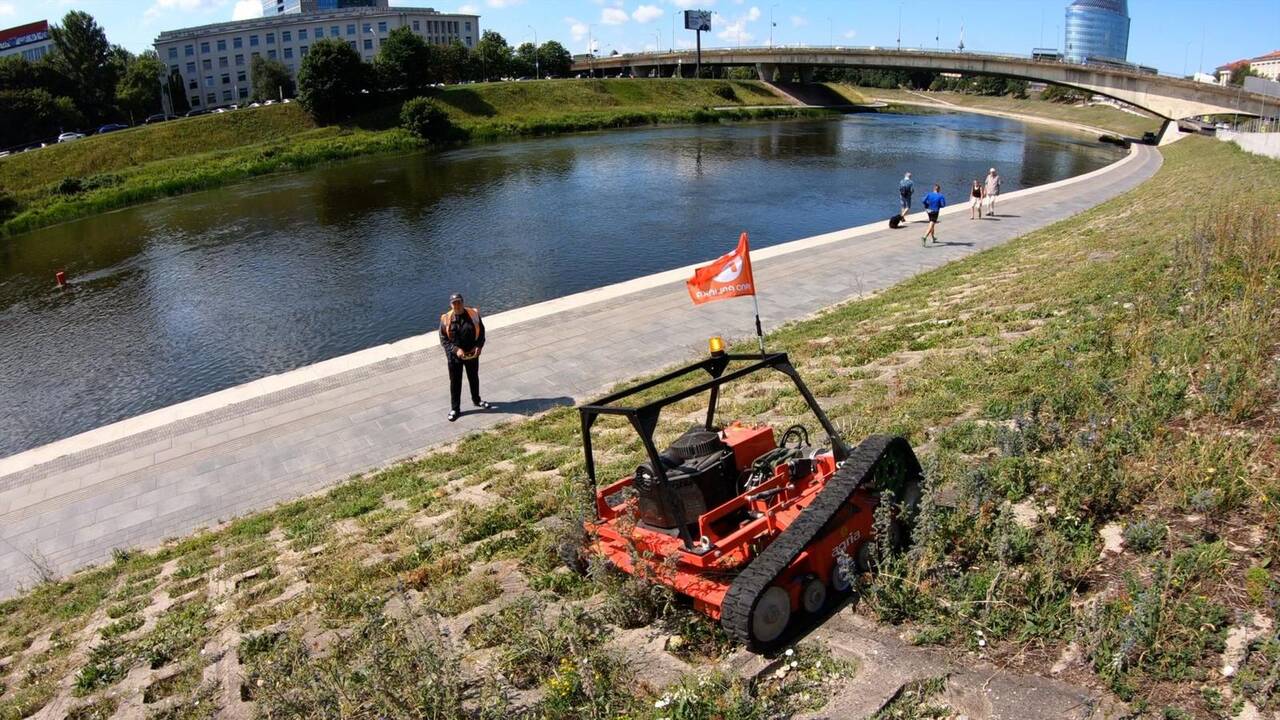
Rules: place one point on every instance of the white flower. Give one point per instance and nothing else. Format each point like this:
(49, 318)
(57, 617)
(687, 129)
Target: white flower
(789, 652)
(662, 703)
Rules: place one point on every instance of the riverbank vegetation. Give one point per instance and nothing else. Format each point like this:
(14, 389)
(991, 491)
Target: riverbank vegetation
(100, 173)
(1105, 117)
(1095, 405)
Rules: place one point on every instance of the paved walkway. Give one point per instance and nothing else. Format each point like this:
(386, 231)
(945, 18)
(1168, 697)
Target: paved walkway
(166, 473)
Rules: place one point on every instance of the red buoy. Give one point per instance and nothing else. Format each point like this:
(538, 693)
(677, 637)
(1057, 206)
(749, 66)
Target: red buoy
(61, 277)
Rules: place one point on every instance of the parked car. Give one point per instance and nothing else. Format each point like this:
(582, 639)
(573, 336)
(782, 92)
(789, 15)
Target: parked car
(197, 111)
(269, 102)
(69, 136)
(219, 111)
(4, 153)
(286, 101)
(159, 118)
(111, 127)
(254, 105)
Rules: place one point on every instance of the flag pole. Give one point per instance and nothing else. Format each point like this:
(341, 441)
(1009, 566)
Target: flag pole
(759, 330)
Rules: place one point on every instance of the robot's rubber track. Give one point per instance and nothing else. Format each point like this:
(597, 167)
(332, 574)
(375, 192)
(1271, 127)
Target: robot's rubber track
(746, 590)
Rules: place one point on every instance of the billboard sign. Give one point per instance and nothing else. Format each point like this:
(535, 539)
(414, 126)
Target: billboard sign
(24, 35)
(697, 20)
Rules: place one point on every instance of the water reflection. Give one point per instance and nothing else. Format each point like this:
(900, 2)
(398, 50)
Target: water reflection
(193, 294)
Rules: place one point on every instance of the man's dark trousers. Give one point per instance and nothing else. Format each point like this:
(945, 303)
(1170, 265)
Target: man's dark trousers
(456, 366)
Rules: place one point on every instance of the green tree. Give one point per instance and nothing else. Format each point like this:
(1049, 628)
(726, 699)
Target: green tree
(493, 56)
(454, 59)
(331, 80)
(525, 63)
(138, 92)
(29, 115)
(83, 55)
(405, 63)
(1062, 94)
(177, 93)
(556, 60)
(1240, 72)
(270, 79)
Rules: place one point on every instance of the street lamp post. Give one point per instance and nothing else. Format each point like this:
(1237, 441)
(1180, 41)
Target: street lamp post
(831, 33)
(591, 49)
(772, 24)
(673, 29)
(537, 64)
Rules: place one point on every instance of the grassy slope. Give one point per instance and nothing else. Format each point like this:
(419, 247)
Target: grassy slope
(148, 162)
(1099, 116)
(1116, 370)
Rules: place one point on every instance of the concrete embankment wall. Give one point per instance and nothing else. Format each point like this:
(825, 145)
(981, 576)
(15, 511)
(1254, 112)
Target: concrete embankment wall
(1267, 144)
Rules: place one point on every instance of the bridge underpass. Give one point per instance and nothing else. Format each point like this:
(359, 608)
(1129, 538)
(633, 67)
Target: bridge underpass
(1168, 97)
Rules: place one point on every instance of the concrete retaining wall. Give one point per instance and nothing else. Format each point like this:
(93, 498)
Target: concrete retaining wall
(1267, 144)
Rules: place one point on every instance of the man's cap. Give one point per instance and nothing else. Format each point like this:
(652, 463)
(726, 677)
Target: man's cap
(456, 297)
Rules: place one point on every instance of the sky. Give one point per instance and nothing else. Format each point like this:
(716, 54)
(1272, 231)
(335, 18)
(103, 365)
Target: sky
(1176, 36)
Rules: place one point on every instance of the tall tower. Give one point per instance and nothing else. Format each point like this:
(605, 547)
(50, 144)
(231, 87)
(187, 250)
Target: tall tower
(271, 8)
(1097, 29)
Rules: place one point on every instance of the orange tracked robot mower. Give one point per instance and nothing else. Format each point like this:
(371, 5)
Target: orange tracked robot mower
(754, 531)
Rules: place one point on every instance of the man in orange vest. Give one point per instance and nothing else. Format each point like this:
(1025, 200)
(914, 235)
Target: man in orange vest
(462, 337)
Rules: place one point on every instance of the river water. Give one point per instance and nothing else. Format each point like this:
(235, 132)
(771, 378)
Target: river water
(179, 298)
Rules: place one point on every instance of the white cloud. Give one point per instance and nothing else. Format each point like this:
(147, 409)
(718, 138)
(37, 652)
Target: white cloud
(503, 3)
(753, 14)
(647, 13)
(184, 6)
(7, 8)
(577, 28)
(798, 21)
(850, 34)
(468, 9)
(692, 4)
(613, 16)
(246, 10)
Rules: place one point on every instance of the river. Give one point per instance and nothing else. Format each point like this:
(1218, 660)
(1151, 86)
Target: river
(182, 297)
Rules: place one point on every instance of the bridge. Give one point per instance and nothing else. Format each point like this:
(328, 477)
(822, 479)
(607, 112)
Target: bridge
(1168, 97)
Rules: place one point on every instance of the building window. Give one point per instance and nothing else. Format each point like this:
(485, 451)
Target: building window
(253, 41)
(382, 26)
(204, 47)
(368, 28)
(288, 53)
(416, 28)
(173, 53)
(194, 100)
(173, 69)
(208, 81)
(189, 50)
(211, 98)
(240, 77)
(240, 61)
(222, 46)
(244, 93)
(334, 31)
(255, 54)
(191, 68)
(226, 96)
(352, 43)
(368, 44)
(193, 85)
(226, 78)
(304, 50)
(302, 33)
(351, 29)
(271, 54)
(223, 62)
(271, 38)
(207, 64)
(286, 36)
(467, 26)
(237, 43)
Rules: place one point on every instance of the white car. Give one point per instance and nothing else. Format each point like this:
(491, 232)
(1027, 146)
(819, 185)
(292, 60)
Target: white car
(219, 111)
(69, 136)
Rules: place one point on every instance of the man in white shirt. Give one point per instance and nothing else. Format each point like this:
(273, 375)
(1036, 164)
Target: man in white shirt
(990, 190)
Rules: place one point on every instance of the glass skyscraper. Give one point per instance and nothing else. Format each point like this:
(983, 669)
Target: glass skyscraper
(1097, 29)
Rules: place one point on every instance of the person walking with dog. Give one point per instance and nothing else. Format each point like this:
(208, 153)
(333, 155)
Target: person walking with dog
(906, 188)
(933, 204)
(991, 190)
(462, 336)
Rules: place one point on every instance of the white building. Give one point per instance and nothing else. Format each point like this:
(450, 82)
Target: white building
(1266, 66)
(31, 41)
(214, 60)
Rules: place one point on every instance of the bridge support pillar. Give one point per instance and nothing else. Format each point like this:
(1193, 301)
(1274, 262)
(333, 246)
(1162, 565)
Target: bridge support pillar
(806, 73)
(641, 71)
(766, 71)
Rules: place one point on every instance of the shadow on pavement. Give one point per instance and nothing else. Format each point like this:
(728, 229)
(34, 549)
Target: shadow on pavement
(525, 406)
(965, 244)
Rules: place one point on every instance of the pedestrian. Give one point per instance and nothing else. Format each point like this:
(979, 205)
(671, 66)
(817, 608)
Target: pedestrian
(933, 204)
(905, 190)
(462, 337)
(991, 190)
(975, 200)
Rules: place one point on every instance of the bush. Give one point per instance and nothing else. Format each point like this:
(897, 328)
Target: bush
(331, 80)
(8, 206)
(423, 118)
(1145, 536)
(727, 92)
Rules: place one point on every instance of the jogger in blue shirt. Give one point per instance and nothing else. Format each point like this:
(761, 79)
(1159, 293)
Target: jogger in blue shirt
(933, 204)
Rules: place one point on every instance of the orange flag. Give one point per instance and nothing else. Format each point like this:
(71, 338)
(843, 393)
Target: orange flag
(728, 277)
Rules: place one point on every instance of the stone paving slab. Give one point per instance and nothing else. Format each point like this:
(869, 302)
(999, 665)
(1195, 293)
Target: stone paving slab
(167, 473)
